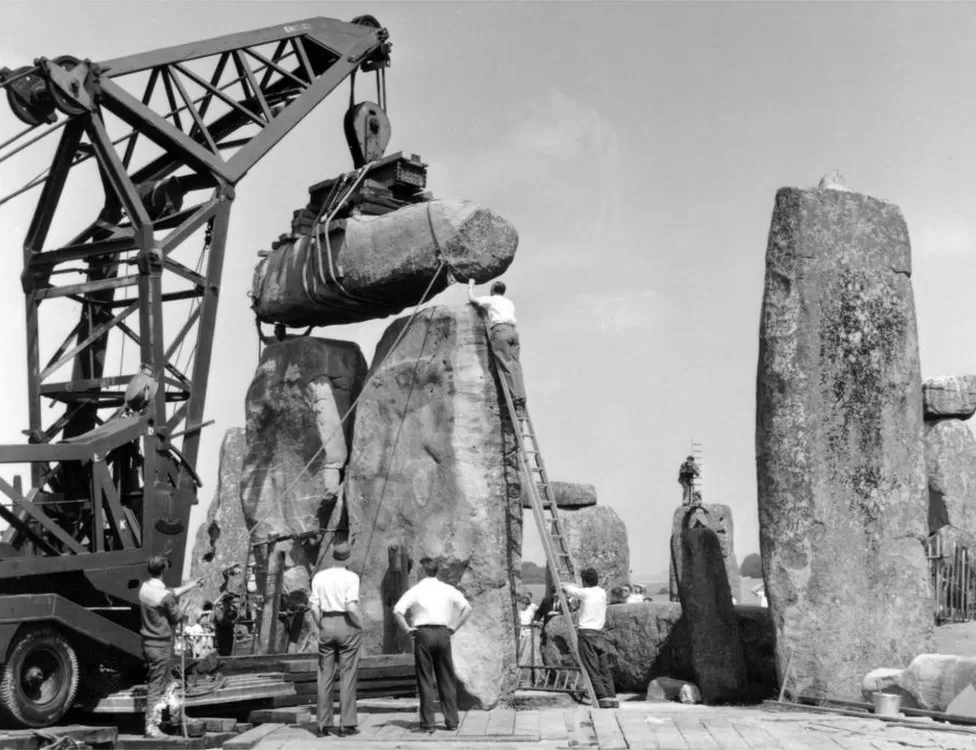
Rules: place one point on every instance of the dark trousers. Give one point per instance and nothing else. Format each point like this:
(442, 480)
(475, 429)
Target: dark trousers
(432, 656)
(159, 667)
(505, 342)
(593, 652)
(339, 642)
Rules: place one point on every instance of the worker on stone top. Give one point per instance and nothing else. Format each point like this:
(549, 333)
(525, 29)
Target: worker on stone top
(334, 604)
(280, 333)
(141, 390)
(160, 614)
(589, 628)
(500, 312)
(437, 611)
(686, 478)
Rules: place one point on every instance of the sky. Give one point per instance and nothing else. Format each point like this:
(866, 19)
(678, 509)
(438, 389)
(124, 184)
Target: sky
(637, 147)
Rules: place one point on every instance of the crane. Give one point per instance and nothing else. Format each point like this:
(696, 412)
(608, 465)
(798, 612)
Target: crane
(112, 474)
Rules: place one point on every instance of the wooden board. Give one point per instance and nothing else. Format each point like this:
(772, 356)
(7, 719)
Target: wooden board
(608, 733)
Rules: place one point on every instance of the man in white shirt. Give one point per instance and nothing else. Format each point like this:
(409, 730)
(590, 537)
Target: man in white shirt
(432, 607)
(334, 603)
(500, 312)
(589, 628)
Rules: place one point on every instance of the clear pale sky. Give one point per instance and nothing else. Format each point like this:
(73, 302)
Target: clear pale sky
(637, 147)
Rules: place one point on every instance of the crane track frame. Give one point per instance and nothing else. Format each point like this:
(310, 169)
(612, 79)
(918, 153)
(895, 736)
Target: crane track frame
(92, 452)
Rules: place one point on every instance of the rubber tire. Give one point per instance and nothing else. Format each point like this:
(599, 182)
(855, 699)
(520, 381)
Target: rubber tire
(14, 704)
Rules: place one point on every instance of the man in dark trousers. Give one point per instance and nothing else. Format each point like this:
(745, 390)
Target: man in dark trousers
(160, 615)
(334, 603)
(500, 314)
(589, 629)
(686, 478)
(432, 607)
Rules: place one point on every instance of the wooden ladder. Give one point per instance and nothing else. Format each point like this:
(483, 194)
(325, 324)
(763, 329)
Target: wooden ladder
(575, 678)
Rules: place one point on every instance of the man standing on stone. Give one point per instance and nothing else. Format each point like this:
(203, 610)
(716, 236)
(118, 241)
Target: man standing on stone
(432, 606)
(334, 603)
(686, 478)
(500, 313)
(160, 614)
(589, 629)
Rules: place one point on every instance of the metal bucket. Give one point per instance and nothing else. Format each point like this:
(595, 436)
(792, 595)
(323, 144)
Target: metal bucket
(887, 704)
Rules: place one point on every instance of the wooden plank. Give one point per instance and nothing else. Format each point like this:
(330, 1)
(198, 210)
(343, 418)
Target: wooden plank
(138, 742)
(475, 724)
(527, 723)
(252, 737)
(552, 725)
(722, 731)
(396, 725)
(755, 735)
(637, 729)
(501, 721)
(668, 736)
(580, 728)
(609, 736)
(694, 732)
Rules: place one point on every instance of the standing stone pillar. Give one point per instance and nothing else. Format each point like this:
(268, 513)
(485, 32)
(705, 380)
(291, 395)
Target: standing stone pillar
(719, 519)
(841, 473)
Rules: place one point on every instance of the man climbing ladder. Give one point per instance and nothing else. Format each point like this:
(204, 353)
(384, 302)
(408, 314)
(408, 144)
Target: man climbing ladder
(500, 319)
(503, 343)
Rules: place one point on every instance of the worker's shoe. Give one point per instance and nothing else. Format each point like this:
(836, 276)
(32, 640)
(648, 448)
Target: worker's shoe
(325, 731)
(608, 703)
(348, 731)
(155, 732)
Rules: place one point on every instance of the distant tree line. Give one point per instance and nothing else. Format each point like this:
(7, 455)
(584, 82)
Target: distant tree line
(532, 573)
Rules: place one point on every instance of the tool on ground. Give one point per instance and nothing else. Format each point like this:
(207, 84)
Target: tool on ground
(575, 678)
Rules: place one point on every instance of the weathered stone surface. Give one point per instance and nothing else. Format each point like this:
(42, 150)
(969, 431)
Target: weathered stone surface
(392, 258)
(841, 475)
(719, 519)
(569, 495)
(949, 396)
(296, 449)
(428, 474)
(295, 444)
(717, 655)
(597, 538)
(668, 689)
(222, 540)
(651, 640)
(936, 679)
(950, 460)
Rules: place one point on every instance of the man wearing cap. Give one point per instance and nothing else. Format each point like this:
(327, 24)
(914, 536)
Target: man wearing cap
(432, 606)
(686, 478)
(334, 603)
(160, 614)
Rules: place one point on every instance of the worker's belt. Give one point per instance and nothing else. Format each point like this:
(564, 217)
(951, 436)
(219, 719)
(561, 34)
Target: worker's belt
(334, 614)
(431, 626)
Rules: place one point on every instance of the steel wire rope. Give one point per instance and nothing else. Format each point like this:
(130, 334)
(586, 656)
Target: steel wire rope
(349, 411)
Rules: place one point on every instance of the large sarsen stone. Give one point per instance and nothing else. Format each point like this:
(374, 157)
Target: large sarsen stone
(841, 473)
(597, 537)
(949, 396)
(950, 458)
(428, 477)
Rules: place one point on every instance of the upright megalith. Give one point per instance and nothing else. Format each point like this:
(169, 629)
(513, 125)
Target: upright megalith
(222, 539)
(841, 473)
(296, 448)
(427, 476)
(596, 537)
(718, 518)
(950, 453)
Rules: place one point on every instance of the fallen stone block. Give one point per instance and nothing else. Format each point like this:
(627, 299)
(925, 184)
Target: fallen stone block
(662, 689)
(949, 396)
(934, 680)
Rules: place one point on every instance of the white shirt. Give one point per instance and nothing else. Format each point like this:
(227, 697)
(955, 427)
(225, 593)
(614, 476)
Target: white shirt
(499, 309)
(526, 615)
(593, 606)
(635, 599)
(431, 602)
(333, 590)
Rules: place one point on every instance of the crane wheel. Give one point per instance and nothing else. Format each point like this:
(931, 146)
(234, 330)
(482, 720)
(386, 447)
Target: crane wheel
(39, 677)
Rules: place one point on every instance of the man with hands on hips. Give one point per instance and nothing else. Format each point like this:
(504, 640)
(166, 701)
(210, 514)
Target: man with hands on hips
(432, 606)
